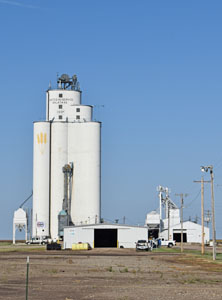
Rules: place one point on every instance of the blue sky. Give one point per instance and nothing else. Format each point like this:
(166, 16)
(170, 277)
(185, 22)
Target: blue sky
(156, 68)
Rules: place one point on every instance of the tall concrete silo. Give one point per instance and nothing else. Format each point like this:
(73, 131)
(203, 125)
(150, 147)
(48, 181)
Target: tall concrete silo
(69, 136)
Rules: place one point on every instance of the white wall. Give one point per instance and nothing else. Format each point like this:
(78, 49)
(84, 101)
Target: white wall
(127, 236)
(174, 218)
(193, 230)
(74, 235)
(152, 218)
(67, 100)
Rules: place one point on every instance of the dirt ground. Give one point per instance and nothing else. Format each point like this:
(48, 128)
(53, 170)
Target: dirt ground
(109, 274)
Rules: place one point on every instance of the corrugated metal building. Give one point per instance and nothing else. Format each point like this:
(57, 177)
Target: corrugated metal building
(192, 232)
(105, 235)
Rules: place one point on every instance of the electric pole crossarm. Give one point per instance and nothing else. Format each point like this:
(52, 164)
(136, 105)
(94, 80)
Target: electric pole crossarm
(204, 181)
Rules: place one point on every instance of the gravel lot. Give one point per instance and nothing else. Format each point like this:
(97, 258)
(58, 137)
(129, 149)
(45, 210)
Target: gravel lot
(109, 274)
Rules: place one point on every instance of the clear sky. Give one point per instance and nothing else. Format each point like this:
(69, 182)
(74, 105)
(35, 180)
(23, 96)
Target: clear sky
(155, 66)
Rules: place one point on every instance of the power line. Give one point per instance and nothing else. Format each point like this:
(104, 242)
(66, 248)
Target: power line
(198, 194)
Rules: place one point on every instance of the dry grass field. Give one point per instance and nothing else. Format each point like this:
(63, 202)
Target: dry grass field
(109, 274)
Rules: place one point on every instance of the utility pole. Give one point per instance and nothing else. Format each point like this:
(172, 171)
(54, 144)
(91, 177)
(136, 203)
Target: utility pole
(213, 213)
(181, 217)
(160, 200)
(205, 169)
(202, 211)
(168, 203)
(168, 211)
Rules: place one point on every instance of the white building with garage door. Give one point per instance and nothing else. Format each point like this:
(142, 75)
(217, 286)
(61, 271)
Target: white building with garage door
(192, 233)
(105, 235)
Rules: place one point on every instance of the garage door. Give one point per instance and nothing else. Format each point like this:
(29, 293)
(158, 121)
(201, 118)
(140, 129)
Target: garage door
(177, 237)
(105, 238)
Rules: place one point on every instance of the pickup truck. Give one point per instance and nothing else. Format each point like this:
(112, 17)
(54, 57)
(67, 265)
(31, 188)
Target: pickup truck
(167, 243)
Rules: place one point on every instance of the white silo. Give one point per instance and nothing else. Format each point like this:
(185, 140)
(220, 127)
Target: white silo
(85, 155)
(74, 139)
(41, 179)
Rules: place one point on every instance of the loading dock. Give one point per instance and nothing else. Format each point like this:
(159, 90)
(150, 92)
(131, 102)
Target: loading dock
(177, 237)
(105, 238)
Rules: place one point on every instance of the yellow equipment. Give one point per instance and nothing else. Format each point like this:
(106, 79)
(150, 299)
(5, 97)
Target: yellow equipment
(81, 246)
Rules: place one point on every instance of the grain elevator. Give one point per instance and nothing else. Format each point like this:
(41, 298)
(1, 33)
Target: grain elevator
(66, 163)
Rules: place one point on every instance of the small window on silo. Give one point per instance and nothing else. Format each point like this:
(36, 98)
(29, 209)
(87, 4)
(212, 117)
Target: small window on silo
(60, 106)
(60, 95)
(60, 117)
(78, 110)
(77, 117)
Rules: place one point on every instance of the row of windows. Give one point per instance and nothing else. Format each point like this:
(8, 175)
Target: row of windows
(77, 117)
(77, 109)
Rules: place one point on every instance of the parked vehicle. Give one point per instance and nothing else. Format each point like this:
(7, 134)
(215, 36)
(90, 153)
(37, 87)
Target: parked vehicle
(54, 246)
(142, 245)
(163, 242)
(37, 241)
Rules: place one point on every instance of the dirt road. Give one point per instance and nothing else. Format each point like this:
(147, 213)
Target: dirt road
(109, 274)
